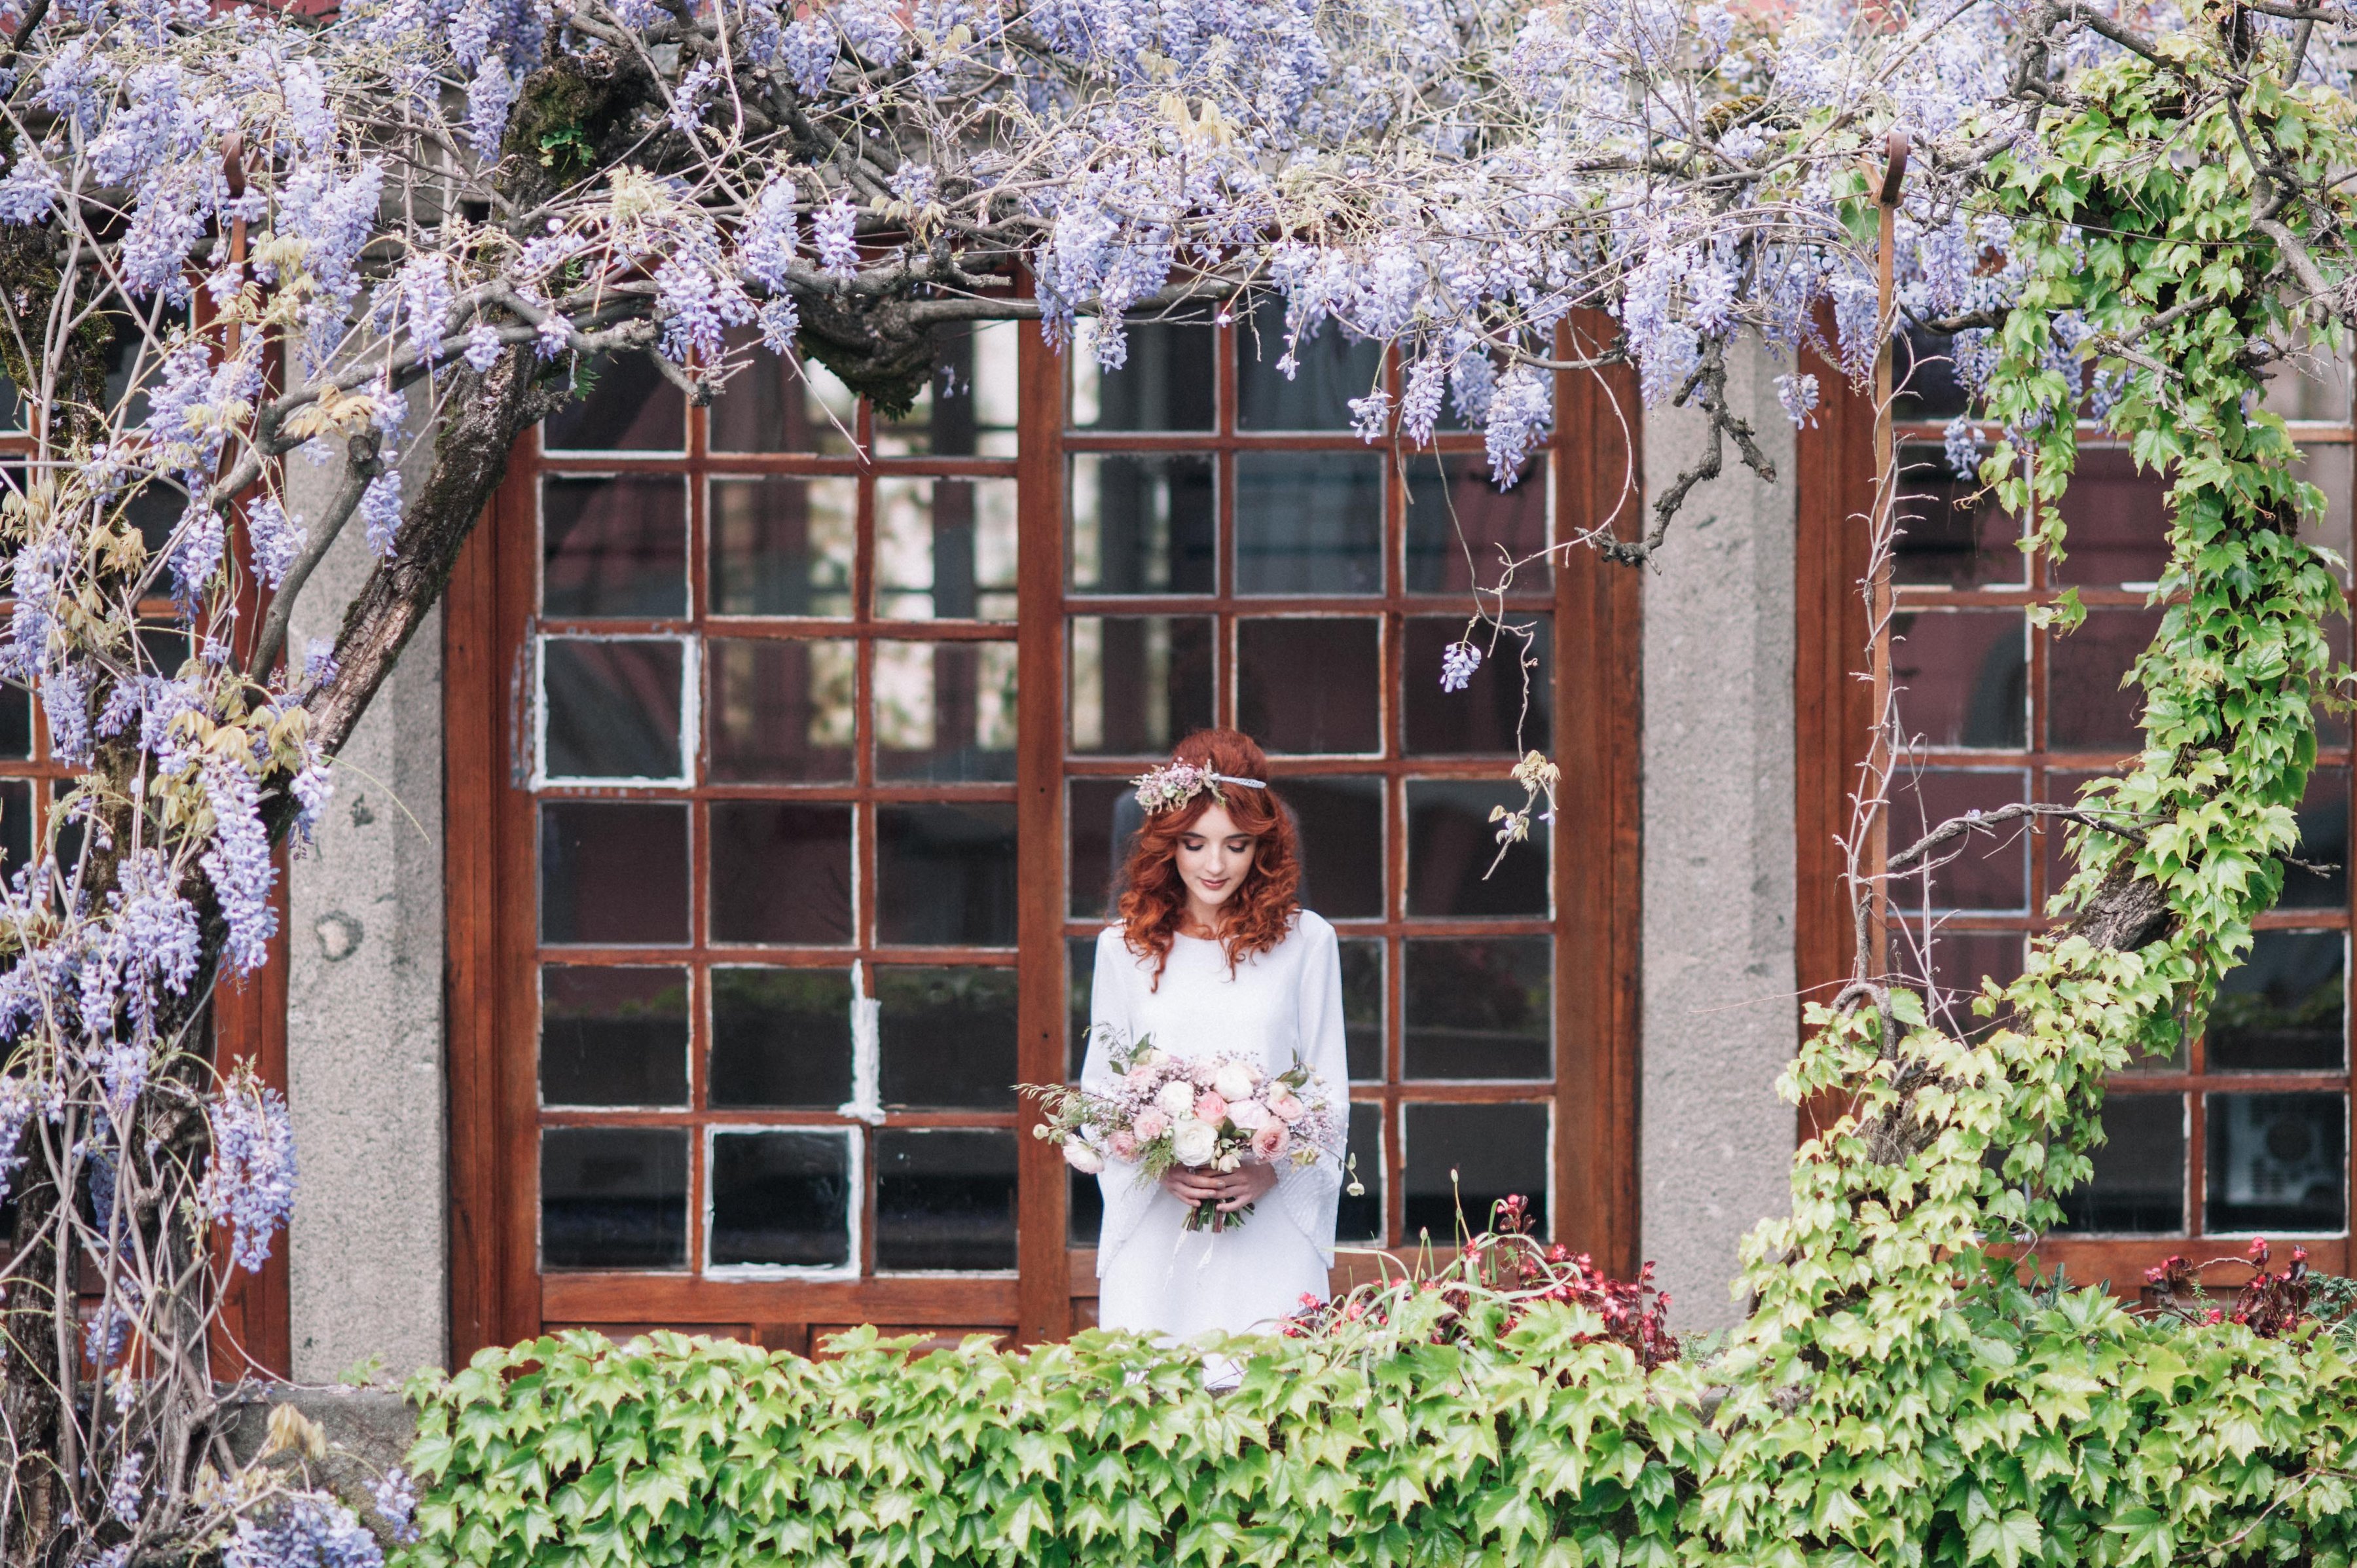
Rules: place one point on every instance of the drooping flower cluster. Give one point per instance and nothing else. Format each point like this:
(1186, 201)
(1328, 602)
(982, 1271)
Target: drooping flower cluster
(249, 1181)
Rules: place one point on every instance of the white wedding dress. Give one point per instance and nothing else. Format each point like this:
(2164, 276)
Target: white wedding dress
(1279, 1006)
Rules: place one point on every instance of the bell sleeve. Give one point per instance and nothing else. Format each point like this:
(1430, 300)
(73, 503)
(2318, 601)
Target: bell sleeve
(1310, 1194)
(1126, 1199)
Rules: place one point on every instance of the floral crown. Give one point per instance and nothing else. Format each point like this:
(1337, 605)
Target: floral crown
(1172, 785)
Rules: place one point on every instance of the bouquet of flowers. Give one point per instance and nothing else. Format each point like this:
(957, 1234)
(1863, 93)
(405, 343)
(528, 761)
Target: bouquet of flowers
(1202, 1113)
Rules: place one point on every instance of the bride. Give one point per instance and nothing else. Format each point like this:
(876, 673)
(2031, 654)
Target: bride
(1214, 956)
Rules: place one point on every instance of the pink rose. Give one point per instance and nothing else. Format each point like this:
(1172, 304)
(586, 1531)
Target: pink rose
(1142, 1074)
(1124, 1146)
(1271, 1140)
(1201, 1073)
(1250, 1115)
(1287, 1106)
(1149, 1125)
(1209, 1107)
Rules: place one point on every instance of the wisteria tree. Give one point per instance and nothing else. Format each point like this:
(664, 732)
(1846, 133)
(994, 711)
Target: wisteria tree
(391, 239)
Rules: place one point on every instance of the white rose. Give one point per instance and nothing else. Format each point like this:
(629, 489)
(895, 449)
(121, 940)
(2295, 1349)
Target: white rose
(1194, 1143)
(1176, 1099)
(1234, 1081)
(1250, 1115)
(1082, 1158)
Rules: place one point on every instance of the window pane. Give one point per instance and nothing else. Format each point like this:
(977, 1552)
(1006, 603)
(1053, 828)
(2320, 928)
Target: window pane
(613, 546)
(1473, 1156)
(1360, 1219)
(968, 407)
(781, 1037)
(2323, 840)
(1962, 676)
(2282, 1010)
(1309, 523)
(15, 824)
(1139, 684)
(1457, 520)
(1951, 533)
(1311, 684)
(1080, 984)
(16, 720)
(782, 547)
(2278, 1161)
(613, 1198)
(947, 876)
(778, 405)
(780, 713)
(1451, 844)
(1140, 524)
(1482, 718)
(621, 404)
(613, 1036)
(945, 549)
(2086, 705)
(1362, 1007)
(1979, 870)
(946, 1037)
(780, 873)
(1084, 1209)
(1100, 814)
(781, 1200)
(2138, 1187)
(2117, 528)
(612, 707)
(613, 872)
(1333, 368)
(1339, 824)
(944, 709)
(1959, 961)
(1163, 382)
(1479, 1008)
(1923, 374)
(944, 1200)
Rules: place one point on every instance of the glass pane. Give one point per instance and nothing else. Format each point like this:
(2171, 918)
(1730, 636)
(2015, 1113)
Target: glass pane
(780, 713)
(613, 546)
(968, 408)
(782, 547)
(1360, 1219)
(1481, 1007)
(1084, 1209)
(2331, 724)
(1962, 676)
(15, 720)
(2116, 526)
(613, 1036)
(1331, 368)
(1923, 376)
(1139, 684)
(64, 831)
(2138, 1187)
(781, 1037)
(1140, 524)
(2086, 705)
(2310, 386)
(1979, 870)
(947, 876)
(1451, 844)
(1080, 984)
(1959, 961)
(2284, 1009)
(946, 1037)
(2278, 1161)
(781, 1200)
(944, 1200)
(945, 710)
(613, 1198)
(153, 511)
(1311, 684)
(1482, 719)
(1339, 822)
(613, 872)
(621, 404)
(612, 707)
(2323, 840)
(1472, 1155)
(1362, 1007)
(780, 873)
(2329, 469)
(1309, 523)
(945, 549)
(778, 405)
(1163, 382)
(1952, 533)
(1462, 528)
(1100, 813)
(15, 824)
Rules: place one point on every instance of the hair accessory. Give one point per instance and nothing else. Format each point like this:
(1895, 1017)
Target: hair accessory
(1172, 785)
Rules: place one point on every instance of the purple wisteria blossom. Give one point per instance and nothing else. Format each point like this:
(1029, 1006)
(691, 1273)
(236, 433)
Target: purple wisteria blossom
(249, 1182)
(274, 539)
(1458, 661)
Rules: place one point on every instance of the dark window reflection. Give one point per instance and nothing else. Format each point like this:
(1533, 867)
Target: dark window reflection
(1103, 816)
(1461, 529)
(1311, 684)
(944, 1200)
(2087, 707)
(153, 511)
(776, 404)
(1138, 683)
(2138, 1187)
(613, 546)
(2323, 840)
(1451, 844)
(1495, 713)
(2116, 526)
(947, 1037)
(1332, 368)
(1164, 382)
(947, 874)
(1309, 523)
(968, 406)
(1960, 960)
(613, 707)
(15, 824)
(1140, 523)
(779, 711)
(781, 1037)
(782, 545)
(613, 1036)
(945, 549)
(1083, 1210)
(1980, 870)
(2278, 1161)
(1923, 372)
(1362, 1007)
(1339, 823)
(16, 720)
(1079, 985)
(1480, 1007)
(781, 1200)
(1962, 676)
(613, 871)
(1952, 532)
(621, 404)
(613, 1198)
(944, 711)
(1473, 1156)
(780, 873)
(2282, 1009)
(1360, 1219)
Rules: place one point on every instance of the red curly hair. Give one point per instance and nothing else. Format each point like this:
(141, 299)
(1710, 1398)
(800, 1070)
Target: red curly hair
(1260, 911)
